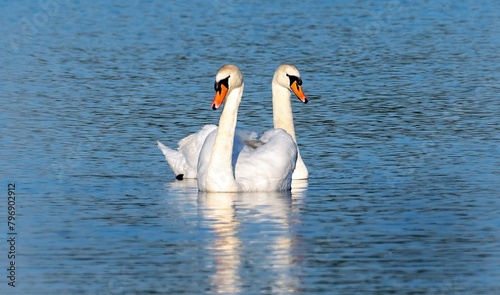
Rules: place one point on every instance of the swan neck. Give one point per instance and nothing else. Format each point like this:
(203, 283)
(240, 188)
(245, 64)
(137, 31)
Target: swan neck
(283, 118)
(282, 109)
(221, 173)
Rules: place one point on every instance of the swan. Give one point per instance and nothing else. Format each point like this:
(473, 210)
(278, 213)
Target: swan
(268, 167)
(184, 160)
(287, 78)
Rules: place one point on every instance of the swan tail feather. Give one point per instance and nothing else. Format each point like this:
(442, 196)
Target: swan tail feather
(175, 160)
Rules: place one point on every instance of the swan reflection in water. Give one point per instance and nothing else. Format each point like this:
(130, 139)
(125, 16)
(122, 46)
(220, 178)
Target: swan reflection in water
(253, 236)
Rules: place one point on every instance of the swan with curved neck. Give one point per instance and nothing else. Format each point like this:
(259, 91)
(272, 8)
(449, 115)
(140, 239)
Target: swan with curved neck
(268, 167)
(287, 78)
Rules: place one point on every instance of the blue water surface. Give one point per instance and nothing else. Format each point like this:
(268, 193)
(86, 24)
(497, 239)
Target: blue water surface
(401, 138)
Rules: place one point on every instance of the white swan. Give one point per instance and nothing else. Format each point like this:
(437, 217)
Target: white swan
(287, 78)
(183, 161)
(268, 167)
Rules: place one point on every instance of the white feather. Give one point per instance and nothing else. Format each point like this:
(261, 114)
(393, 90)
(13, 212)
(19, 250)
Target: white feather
(184, 160)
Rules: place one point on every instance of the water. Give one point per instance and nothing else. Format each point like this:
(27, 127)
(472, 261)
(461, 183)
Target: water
(401, 138)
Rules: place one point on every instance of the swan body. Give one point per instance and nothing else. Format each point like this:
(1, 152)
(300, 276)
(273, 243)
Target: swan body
(267, 167)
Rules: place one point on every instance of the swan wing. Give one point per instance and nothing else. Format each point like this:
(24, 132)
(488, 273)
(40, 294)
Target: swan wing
(184, 160)
(190, 146)
(268, 166)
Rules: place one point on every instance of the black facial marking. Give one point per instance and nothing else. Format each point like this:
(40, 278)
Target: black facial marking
(179, 177)
(224, 82)
(293, 79)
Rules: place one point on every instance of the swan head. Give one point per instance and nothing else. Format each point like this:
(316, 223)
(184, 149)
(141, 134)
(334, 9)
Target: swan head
(228, 78)
(288, 76)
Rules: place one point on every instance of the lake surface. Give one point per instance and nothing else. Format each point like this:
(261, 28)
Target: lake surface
(401, 138)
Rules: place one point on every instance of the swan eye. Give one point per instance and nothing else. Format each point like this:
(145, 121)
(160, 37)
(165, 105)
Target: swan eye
(294, 79)
(224, 82)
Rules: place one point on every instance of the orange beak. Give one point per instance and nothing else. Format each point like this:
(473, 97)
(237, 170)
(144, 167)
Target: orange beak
(219, 97)
(297, 89)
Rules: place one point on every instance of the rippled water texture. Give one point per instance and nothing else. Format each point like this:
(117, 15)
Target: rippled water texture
(401, 138)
